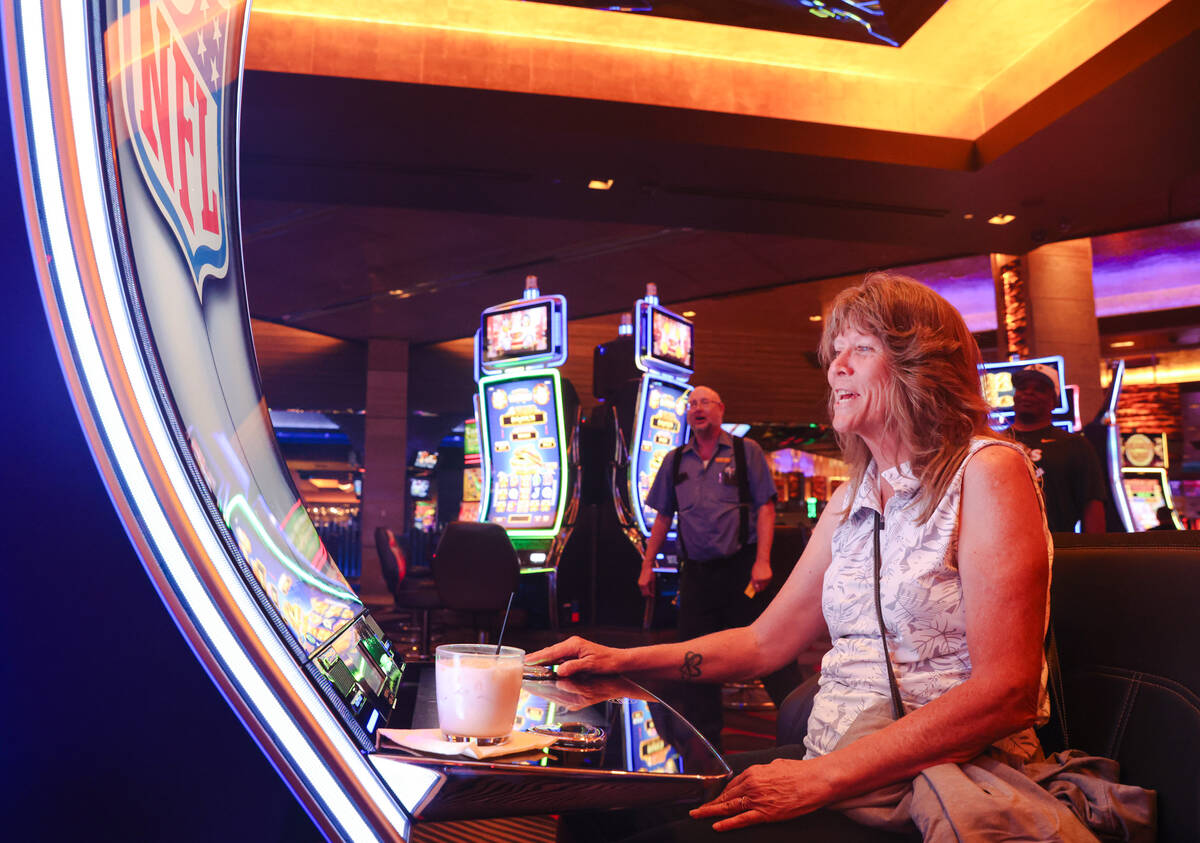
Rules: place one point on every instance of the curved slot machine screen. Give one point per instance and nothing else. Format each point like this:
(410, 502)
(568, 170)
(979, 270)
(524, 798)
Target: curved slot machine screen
(661, 425)
(188, 281)
(526, 471)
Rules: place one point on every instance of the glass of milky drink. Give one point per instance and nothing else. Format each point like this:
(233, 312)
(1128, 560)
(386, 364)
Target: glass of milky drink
(478, 691)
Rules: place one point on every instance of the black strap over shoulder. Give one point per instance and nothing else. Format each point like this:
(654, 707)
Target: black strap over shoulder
(739, 464)
(897, 703)
(676, 458)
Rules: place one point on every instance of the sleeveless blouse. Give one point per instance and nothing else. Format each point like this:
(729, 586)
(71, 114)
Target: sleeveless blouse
(923, 610)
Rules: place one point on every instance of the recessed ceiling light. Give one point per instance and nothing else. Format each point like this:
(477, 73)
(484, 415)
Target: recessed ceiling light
(600, 184)
(814, 318)
(1002, 219)
(968, 216)
(1123, 344)
(688, 314)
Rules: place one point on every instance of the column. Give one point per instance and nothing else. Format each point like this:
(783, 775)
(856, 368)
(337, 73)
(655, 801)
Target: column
(386, 457)
(1045, 305)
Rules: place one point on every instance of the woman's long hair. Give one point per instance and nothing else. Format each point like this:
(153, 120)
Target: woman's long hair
(934, 400)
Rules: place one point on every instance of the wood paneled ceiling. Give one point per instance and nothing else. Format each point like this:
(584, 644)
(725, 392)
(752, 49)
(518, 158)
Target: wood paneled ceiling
(401, 172)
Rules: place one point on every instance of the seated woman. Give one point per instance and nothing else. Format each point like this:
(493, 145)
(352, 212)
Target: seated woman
(962, 589)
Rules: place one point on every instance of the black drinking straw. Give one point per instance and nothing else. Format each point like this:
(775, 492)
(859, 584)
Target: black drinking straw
(504, 623)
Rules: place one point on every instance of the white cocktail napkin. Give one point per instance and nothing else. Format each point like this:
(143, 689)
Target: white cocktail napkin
(431, 740)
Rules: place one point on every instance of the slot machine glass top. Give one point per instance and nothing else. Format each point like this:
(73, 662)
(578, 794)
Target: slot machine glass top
(522, 430)
(663, 343)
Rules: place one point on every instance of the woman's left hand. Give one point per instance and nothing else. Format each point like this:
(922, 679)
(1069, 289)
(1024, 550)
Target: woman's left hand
(767, 793)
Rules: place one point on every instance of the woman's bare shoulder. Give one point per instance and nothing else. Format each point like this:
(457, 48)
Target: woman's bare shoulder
(998, 462)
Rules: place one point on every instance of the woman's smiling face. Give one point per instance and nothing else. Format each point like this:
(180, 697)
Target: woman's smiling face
(859, 376)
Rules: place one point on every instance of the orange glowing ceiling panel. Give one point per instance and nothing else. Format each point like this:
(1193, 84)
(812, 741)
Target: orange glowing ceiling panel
(974, 64)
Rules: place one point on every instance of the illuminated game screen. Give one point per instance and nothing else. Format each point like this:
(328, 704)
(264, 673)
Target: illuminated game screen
(670, 339)
(662, 423)
(472, 484)
(1145, 493)
(425, 516)
(523, 447)
(519, 332)
(471, 438)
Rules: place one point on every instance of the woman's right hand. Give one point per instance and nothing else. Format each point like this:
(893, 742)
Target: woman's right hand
(578, 655)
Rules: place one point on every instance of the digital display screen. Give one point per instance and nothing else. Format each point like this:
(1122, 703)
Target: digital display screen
(471, 438)
(523, 442)
(425, 459)
(661, 426)
(1145, 492)
(516, 332)
(418, 487)
(1144, 450)
(472, 484)
(425, 516)
(670, 338)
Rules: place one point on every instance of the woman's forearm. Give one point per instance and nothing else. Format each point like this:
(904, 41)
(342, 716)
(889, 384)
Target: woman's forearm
(953, 728)
(717, 657)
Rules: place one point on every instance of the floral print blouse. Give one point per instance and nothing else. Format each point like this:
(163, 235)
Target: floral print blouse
(922, 607)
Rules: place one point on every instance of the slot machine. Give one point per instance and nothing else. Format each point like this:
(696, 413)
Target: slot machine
(472, 479)
(142, 281)
(528, 430)
(642, 376)
(1144, 479)
(663, 352)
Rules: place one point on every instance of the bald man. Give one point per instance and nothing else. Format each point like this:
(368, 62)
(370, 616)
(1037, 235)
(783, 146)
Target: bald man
(726, 507)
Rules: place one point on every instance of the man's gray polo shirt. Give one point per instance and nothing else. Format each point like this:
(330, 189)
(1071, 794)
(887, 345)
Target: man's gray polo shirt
(708, 497)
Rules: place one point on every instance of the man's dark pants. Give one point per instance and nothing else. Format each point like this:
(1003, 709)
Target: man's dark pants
(711, 598)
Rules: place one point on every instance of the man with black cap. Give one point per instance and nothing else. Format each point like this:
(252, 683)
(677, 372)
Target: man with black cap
(1072, 482)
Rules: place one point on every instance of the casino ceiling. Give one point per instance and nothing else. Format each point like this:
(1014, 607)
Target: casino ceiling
(405, 166)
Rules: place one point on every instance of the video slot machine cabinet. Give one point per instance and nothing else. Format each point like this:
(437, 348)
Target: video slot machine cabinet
(528, 418)
(643, 375)
(1144, 479)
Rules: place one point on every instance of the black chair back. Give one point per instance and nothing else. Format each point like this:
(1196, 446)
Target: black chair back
(388, 563)
(476, 567)
(1124, 613)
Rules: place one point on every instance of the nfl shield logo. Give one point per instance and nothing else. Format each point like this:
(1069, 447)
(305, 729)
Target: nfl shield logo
(175, 68)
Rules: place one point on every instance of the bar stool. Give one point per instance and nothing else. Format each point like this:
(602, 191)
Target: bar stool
(413, 593)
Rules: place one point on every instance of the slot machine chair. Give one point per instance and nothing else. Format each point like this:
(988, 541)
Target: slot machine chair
(1123, 609)
(413, 593)
(476, 569)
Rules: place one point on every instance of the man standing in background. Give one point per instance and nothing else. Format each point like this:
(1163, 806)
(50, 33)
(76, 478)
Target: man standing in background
(1072, 482)
(722, 489)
